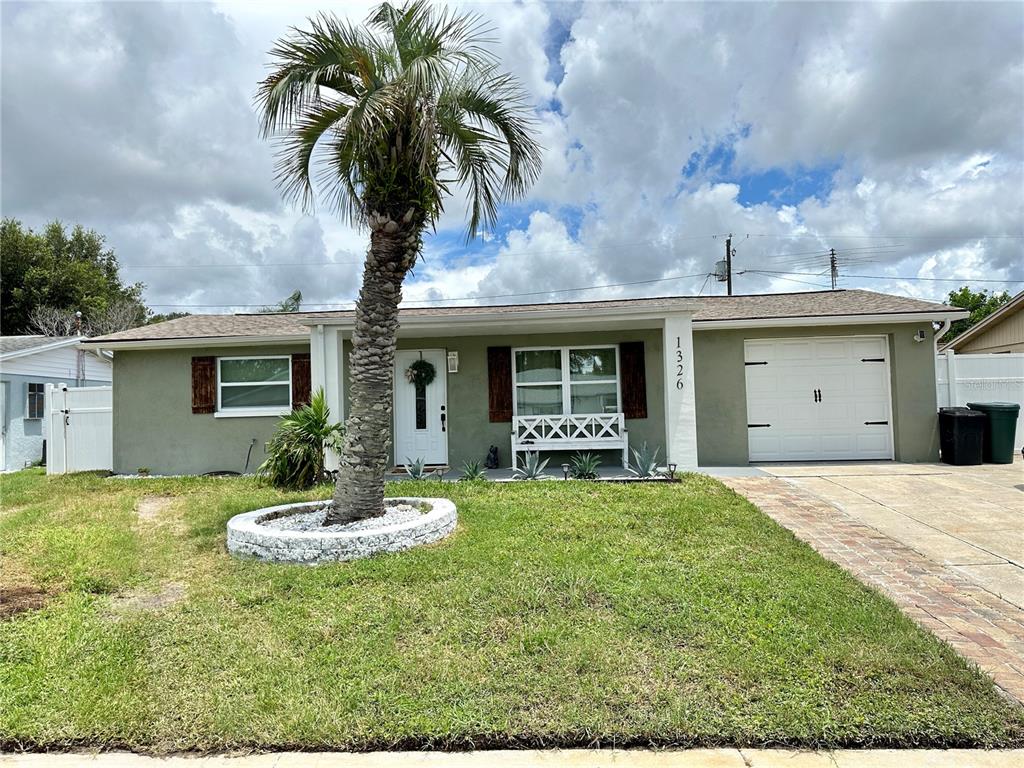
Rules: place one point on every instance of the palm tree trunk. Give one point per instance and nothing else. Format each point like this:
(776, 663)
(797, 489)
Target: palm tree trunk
(365, 455)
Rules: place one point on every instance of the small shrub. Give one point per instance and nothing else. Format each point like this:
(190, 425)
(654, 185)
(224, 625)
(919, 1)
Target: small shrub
(295, 454)
(583, 466)
(472, 471)
(417, 470)
(645, 462)
(532, 469)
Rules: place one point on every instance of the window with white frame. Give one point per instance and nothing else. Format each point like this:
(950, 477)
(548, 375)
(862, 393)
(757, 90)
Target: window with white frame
(36, 399)
(555, 381)
(254, 384)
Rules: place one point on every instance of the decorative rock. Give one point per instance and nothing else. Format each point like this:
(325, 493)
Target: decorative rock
(275, 535)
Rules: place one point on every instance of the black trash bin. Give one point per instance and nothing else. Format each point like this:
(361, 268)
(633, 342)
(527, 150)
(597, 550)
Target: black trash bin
(1000, 429)
(961, 435)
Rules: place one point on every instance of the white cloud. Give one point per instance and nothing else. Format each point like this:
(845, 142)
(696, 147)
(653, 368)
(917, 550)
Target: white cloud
(140, 123)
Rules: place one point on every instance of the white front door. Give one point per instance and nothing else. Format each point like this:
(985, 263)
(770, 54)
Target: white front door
(421, 413)
(818, 399)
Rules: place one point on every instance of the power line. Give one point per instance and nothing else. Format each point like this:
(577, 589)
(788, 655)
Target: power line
(897, 277)
(778, 273)
(889, 236)
(469, 298)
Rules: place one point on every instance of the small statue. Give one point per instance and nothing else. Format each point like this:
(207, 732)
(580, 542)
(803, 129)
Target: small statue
(492, 458)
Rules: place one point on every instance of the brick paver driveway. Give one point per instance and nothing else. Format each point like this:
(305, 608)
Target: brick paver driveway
(945, 543)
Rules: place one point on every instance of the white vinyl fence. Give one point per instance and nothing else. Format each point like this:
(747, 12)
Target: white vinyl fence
(79, 428)
(962, 379)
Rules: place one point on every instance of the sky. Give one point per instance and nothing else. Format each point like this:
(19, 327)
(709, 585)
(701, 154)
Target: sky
(893, 134)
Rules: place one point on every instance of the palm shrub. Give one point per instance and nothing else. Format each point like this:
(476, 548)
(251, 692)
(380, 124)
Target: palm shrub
(295, 453)
(583, 466)
(387, 118)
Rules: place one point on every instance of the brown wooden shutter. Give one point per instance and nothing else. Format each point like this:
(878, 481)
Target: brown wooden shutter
(633, 379)
(204, 384)
(499, 383)
(301, 380)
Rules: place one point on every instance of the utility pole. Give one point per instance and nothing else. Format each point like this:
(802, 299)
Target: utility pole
(833, 266)
(728, 264)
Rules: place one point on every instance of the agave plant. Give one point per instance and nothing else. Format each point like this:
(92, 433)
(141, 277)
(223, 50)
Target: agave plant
(645, 462)
(532, 469)
(295, 453)
(583, 466)
(472, 471)
(417, 470)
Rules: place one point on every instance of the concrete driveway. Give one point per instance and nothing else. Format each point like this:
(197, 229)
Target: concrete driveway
(969, 519)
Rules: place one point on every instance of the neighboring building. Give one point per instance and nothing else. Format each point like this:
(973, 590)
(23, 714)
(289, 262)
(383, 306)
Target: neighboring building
(1000, 332)
(27, 365)
(709, 380)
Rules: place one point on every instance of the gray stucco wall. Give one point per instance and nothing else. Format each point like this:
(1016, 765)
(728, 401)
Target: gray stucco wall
(23, 437)
(721, 389)
(471, 434)
(154, 425)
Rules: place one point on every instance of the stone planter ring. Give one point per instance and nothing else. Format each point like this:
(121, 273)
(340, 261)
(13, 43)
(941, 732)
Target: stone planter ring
(261, 535)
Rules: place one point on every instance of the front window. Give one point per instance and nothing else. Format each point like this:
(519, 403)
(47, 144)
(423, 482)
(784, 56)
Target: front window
(566, 380)
(249, 384)
(36, 398)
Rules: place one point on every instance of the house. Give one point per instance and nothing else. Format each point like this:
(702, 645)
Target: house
(715, 380)
(27, 365)
(1000, 332)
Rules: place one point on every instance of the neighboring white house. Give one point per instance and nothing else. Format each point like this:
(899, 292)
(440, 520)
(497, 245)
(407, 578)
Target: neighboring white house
(27, 365)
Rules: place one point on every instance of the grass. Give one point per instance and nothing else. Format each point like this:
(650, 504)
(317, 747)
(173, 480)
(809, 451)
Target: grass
(557, 614)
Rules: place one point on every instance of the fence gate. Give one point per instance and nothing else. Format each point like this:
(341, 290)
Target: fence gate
(79, 428)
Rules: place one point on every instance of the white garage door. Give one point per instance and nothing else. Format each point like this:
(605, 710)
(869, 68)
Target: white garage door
(818, 399)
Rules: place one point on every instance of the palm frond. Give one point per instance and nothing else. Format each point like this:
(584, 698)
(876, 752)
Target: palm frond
(411, 98)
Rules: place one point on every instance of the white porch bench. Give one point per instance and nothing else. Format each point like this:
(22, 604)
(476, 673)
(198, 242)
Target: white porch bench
(597, 432)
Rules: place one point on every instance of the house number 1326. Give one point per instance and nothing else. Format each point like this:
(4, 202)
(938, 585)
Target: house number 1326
(679, 362)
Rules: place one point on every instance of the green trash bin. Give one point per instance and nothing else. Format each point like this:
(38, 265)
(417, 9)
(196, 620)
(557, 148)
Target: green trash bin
(997, 447)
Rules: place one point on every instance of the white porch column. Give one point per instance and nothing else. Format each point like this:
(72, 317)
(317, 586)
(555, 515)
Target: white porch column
(680, 403)
(325, 360)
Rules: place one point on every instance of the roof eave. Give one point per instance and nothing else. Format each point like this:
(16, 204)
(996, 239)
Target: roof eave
(197, 341)
(877, 318)
(42, 348)
(508, 318)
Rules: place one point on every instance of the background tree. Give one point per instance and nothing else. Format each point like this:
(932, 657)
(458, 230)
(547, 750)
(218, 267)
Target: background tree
(63, 272)
(392, 114)
(980, 304)
(291, 304)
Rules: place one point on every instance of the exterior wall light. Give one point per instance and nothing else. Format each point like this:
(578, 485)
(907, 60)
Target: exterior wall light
(453, 362)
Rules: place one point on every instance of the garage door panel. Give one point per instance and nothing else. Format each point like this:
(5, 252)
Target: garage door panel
(782, 394)
(869, 347)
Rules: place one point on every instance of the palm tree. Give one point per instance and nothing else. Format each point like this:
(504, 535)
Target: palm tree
(392, 114)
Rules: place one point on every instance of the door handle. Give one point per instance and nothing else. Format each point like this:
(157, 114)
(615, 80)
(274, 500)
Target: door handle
(444, 419)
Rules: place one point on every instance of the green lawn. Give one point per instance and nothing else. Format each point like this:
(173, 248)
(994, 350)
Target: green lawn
(557, 614)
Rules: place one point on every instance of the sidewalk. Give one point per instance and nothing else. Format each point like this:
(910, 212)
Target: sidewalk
(576, 758)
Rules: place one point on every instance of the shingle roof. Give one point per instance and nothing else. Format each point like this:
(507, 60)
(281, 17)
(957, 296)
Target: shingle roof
(9, 344)
(708, 308)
